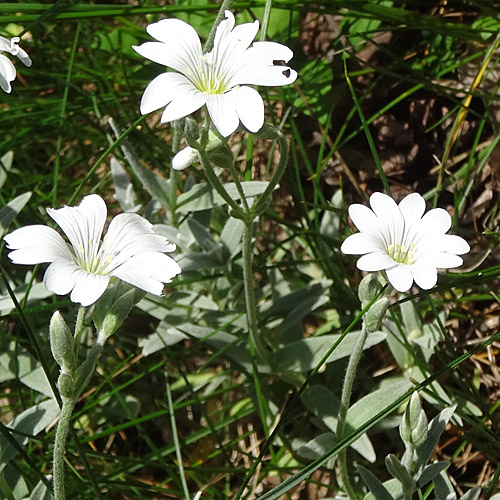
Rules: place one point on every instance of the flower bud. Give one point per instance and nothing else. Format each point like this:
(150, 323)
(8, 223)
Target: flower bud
(185, 158)
(61, 342)
(369, 287)
(114, 306)
(413, 427)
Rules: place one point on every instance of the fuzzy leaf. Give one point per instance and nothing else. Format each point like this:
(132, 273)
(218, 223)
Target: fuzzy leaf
(203, 196)
(377, 489)
(30, 423)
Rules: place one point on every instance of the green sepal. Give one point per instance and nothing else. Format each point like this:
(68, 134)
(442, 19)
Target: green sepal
(66, 385)
(191, 129)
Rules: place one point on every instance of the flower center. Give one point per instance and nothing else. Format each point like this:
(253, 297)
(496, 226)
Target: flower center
(402, 254)
(92, 261)
(210, 78)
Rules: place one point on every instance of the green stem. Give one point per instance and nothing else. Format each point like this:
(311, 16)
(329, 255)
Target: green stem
(60, 447)
(265, 19)
(345, 400)
(177, 444)
(174, 175)
(214, 180)
(266, 196)
(253, 327)
(239, 187)
(80, 316)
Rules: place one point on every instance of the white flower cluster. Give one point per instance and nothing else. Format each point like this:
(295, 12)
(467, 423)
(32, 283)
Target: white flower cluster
(399, 239)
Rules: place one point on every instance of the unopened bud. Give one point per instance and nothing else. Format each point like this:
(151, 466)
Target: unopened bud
(413, 427)
(185, 158)
(61, 342)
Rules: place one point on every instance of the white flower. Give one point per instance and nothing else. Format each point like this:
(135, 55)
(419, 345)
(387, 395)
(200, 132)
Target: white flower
(7, 69)
(130, 251)
(219, 78)
(185, 158)
(397, 239)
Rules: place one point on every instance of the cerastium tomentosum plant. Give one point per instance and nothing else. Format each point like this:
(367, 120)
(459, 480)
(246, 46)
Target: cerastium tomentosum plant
(218, 80)
(130, 253)
(409, 246)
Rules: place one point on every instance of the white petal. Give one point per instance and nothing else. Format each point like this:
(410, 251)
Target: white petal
(83, 225)
(375, 262)
(35, 245)
(224, 28)
(24, 57)
(4, 44)
(412, 207)
(425, 276)
(360, 243)
(363, 218)
(188, 101)
(436, 220)
(148, 271)
(245, 33)
(450, 243)
(89, 288)
(400, 278)
(442, 260)
(180, 46)
(257, 66)
(383, 205)
(61, 276)
(391, 223)
(249, 107)
(7, 74)
(164, 89)
(133, 234)
(223, 114)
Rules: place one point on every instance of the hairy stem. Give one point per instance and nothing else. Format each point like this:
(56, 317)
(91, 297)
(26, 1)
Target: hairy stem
(350, 375)
(266, 197)
(80, 316)
(60, 447)
(253, 326)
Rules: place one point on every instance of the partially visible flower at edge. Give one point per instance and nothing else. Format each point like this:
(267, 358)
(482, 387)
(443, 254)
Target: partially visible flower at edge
(219, 78)
(185, 158)
(404, 242)
(130, 251)
(7, 69)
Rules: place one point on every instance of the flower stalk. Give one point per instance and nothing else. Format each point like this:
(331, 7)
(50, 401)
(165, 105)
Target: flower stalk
(60, 447)
(252, 318)
(370, 294)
